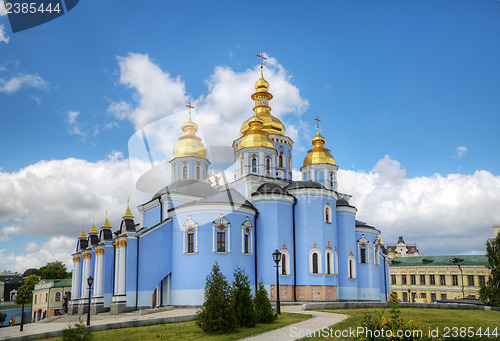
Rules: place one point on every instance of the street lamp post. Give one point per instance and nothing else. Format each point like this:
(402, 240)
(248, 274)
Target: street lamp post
(277, 258)
(23, 295)
(90, 280)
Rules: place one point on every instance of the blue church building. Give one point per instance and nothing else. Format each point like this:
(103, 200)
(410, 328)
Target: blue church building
(163, 257)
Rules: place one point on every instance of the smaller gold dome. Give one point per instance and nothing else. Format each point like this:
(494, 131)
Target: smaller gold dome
(83, 235)
(93, 230)
(318, 155)
(190, 144)
(128, 213)
(255, 136)
(261, 85)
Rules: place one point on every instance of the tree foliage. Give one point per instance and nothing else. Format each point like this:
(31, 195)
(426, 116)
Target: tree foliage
(54, 270)
(490, 292)
(27, 287)
(216, 315)
(262, 306)
(3, 316)
(241, 299)
(77, 333)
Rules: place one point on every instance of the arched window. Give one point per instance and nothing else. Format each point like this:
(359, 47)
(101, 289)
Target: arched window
(175, 175)
(190, 236)
(280, 161)
(330, 266)
(58, 296)
(246, 237)
(351, 270)
(363, 255)
(241, 166)
(198, 173)
(254, 164)
(315, 261)
(221, 235)
(285, 263)
(331, 180)
(184, 172)
(363, 248)
(268, 165)
(328, 213)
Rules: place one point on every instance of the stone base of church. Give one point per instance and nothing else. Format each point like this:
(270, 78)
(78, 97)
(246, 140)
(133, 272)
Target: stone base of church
(306, 292)
(97, 306)
(73, 308)
(119, 305)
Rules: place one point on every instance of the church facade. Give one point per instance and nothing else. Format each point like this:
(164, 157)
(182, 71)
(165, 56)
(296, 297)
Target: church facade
(163, 257)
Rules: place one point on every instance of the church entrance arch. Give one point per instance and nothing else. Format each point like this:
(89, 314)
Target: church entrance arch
(161, 295)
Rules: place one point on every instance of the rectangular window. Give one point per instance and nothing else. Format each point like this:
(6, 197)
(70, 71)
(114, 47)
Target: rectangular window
(405, 297)
(190, 242)
(432, 279)
(413, 279)
(363, 256)
(423, 295)
(403, 279)
(35, 298)
(221, 241)
(481, 280)
(454, 279)
(442, 280)
(413, 295)
(443, 296)
(247, 243)
(393, 279)
(470, 280)
(433, 297)
(422, 279)
(46, 297)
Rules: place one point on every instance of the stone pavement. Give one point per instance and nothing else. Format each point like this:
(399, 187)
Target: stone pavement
(297, 331)
(53, 327)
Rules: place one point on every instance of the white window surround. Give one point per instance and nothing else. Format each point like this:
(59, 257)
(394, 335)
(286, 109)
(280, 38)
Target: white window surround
(186, 227)
(320, 268)
(287, 263)
(247, 225)
(366, 246)
(353, 264)
(327, 212)
(329, 255)
(227, 227)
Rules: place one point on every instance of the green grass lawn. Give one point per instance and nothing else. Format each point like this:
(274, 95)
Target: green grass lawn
(427, 318)
(189, 331)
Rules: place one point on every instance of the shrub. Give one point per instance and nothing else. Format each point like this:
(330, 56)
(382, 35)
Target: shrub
(215, 314)
(3, 316)
(262, 306)
(77, 333)
(241, 299)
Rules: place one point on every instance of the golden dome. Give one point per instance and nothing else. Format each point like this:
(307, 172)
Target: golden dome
(106, 222)
(93, 230)
(190, 144)
(318, 155)
(83, 235)
(128, 213)
(271, 124)
(255, 135)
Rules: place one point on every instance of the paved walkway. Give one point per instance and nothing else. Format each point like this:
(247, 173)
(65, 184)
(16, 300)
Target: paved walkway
(53, 326)
(297, 331)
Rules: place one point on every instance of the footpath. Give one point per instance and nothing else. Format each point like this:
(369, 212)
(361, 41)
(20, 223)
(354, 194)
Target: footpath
(53, 327)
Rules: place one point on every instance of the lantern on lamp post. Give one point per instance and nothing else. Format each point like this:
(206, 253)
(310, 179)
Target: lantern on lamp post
(277, 258)
(90, 280)
(23, 295)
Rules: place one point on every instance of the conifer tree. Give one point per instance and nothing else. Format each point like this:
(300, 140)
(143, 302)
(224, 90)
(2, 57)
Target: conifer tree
(216, 315)
(490, 292)
(263, 309)
(241, 299)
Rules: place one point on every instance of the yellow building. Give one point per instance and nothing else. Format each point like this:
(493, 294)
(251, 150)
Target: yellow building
(433, 278)
(48, 298)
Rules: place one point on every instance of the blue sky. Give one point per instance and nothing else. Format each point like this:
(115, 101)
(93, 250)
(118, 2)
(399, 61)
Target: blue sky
(414, 80)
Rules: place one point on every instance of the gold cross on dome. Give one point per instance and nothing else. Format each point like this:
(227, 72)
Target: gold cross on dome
(190, 107)
(261, 56)
(317, 121)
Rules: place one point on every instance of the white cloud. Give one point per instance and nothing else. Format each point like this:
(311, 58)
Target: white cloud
(6, 230)
(73, 125)
(30, 247)
(3, 34)
(22, 81)
(442, 214)
(3, 10)
(461, 151)
(56, 197)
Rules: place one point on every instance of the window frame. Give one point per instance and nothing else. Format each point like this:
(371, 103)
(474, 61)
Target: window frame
(189, 226)
(315, 251)
(221, 224)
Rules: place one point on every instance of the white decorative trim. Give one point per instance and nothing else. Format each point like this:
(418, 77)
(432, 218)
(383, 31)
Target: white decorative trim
(227, 227)
(365, 241)
(329, 255)
(327, 211)
(189, 224)
(318, 253)
(349, 274)
(247, 225)
(287, 263)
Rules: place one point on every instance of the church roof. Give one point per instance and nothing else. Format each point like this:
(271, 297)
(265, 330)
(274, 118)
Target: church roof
(304, 184)
(271, 188)
(343, 202)
(190, 187)
(360, 223)
(230, 197)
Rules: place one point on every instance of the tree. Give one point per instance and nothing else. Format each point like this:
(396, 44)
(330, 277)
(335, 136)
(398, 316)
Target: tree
(27, 287)
(241, 299)
(263, 309)
(54, 270)
(215, 314)
(3, 316)
(490, 292)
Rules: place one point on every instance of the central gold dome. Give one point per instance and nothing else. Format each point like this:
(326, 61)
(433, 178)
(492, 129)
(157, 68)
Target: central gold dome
(256, 136)
(190, 144)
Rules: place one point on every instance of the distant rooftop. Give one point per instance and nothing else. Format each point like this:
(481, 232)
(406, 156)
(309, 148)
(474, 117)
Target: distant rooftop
(440, 260)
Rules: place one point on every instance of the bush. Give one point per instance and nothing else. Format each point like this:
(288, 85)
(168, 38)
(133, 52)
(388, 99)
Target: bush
(241, 299)
(262, 306)
(3, 316)
(77, 333)
(216, 315)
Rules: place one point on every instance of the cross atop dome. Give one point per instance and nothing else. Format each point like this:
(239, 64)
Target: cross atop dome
(261, 56)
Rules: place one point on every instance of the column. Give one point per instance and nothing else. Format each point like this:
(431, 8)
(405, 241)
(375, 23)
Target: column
(121, 276)
(76, 282)
(85, 289)
(117, 268)
(100, 273)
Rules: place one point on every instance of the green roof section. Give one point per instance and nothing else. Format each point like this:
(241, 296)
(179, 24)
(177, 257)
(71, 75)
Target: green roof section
(59, 283)
(440, 260)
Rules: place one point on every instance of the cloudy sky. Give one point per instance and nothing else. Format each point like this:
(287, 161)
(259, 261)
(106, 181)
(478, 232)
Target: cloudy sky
(407, 92)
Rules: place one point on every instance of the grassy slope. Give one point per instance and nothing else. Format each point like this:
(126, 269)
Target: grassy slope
(189, 331)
